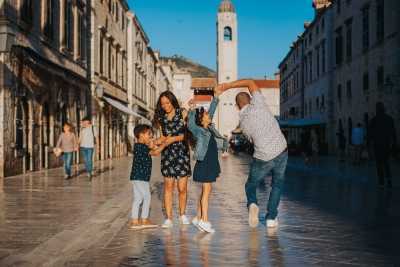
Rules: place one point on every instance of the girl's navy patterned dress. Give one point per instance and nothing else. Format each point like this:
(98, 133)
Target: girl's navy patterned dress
(175, 158)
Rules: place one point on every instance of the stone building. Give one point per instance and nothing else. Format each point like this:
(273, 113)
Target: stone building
(61, 55)
(44, 81)
(366, 51)
(348, 50)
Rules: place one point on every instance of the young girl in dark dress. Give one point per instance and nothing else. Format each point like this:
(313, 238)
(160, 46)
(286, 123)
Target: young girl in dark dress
(207, 169)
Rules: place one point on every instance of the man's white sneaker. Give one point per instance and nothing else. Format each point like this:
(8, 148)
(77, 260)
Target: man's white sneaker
(184, 219)
(272, 223)
(167, 224)
(253, 215)
(206, 226)
(195, 221)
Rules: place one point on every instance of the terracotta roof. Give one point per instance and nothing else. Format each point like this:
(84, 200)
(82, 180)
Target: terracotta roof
(267, 83)
(203, 83)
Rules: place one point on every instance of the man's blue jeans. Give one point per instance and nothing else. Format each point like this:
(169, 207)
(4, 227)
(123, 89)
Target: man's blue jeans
(87, 153)
(67, 157)
(258, 170)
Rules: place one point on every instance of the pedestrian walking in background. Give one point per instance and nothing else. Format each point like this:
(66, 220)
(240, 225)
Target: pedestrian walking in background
(175, 159)
(237, 145)
(382, 132)
(357, 139)
(270, 148)
(342, 144)
(314, 146)
(89, 142)
(305, 141)
(207, 168)
(226, 152)
(67, 143)
(140, 175)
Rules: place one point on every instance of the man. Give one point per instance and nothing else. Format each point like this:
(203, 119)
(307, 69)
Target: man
(304, 138)
(357, 139)
(88, 139)
(382, 131)
(261, 128)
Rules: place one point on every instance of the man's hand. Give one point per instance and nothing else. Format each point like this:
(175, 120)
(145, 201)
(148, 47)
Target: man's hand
(191, 104)
(223, 87)
(97, 150)
(216, 91)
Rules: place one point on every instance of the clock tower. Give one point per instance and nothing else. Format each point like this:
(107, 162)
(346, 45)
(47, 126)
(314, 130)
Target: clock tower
(227, 67)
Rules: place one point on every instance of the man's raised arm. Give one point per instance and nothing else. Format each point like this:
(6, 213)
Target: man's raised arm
(249, 83)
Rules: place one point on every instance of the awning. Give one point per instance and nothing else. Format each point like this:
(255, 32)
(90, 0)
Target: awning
(282, 123)
(303, 122)
(126, 110)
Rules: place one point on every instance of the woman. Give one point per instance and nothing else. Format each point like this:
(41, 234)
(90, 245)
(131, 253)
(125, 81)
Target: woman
(175, 158)
(342, 144)
(66, 142)
(314, 146)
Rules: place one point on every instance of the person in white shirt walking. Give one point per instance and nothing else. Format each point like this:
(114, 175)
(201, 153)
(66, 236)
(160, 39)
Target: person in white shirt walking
(261, 128)
(357, 139)
(89, 142)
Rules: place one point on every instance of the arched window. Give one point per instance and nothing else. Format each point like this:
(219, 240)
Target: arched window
(228, 34)
(350, 129)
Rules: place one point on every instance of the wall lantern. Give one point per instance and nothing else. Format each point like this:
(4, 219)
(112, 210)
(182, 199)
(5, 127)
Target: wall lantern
(6, 37)
(322, 106)
(388, 84)
(99, 90)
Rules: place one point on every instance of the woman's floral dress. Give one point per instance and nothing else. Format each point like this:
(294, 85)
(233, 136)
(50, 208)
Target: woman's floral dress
(175, 158)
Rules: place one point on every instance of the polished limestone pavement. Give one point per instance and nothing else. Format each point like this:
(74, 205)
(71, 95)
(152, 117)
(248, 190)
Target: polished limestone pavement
(331, 214)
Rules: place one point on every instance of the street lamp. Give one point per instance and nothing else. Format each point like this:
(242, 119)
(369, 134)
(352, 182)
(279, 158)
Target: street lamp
(99, 90)
(388, 84)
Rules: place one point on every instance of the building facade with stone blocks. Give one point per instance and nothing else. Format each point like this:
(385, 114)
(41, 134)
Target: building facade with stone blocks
(43, 82)
(318, 74)
(366, 51)
(108, 66)
(361, 50)
(182, 82)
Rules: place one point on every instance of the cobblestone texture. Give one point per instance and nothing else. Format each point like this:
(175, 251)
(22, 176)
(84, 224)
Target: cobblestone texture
(330, 215)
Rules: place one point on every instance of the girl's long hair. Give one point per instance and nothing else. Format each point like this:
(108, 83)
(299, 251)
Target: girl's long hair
(189, 137)
(159, 113)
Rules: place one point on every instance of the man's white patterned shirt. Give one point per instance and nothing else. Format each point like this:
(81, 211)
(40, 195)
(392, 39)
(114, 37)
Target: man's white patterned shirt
(261, 128)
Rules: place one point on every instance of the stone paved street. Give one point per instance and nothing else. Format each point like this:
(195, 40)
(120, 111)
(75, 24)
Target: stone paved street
(330, 215)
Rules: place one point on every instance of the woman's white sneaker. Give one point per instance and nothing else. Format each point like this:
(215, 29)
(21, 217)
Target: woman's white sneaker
(167, 224)
(195, 221)
(184, 219)
(206, 226)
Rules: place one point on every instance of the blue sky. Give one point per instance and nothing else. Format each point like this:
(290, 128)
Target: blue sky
(188, 28)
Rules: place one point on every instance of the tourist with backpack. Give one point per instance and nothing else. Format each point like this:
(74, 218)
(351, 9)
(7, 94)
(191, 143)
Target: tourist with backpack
(89, 142)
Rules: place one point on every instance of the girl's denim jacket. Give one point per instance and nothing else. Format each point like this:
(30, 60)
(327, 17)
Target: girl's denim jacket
(202, 136)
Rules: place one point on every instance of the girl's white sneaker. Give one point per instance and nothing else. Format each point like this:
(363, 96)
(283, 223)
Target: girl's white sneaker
(167, 224)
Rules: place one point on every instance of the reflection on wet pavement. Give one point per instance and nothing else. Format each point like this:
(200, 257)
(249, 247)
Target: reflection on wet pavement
(324, 220)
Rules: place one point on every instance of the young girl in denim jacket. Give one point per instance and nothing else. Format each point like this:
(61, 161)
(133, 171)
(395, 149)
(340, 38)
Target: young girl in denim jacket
(206, 148)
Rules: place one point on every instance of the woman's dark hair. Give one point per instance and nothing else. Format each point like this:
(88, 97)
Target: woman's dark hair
(189, 137)
(160, 112)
